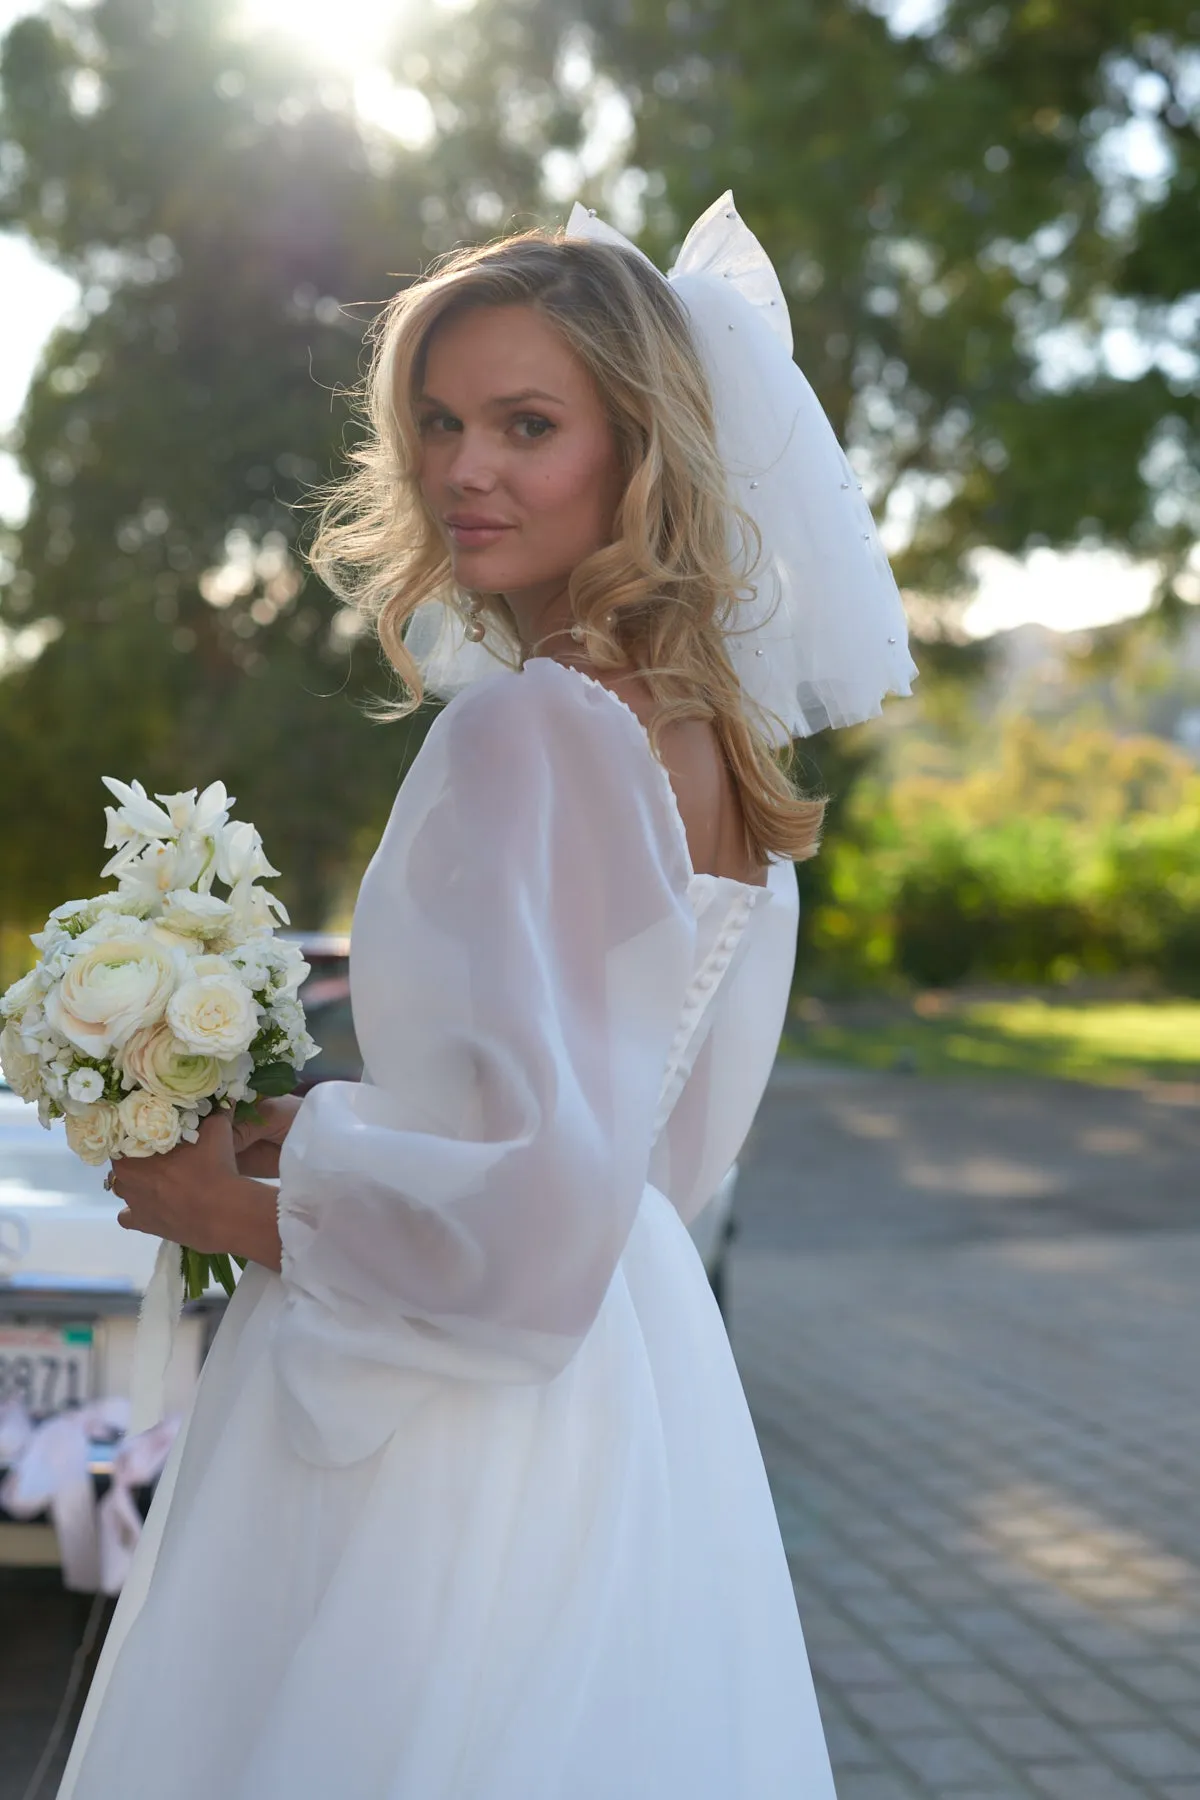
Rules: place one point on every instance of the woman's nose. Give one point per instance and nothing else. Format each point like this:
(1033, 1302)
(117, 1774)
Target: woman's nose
(470, 466)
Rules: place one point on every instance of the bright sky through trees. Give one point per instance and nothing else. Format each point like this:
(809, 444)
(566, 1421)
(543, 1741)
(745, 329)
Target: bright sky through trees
(351, 38)
(352, 34)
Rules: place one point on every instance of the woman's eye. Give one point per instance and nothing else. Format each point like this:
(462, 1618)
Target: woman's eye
(431, 422)
(532, 425)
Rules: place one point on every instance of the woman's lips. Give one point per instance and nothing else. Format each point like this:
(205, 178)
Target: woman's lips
(475, 537)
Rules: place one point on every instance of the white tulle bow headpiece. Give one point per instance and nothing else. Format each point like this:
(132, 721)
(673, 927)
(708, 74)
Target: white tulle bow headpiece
(823, 638)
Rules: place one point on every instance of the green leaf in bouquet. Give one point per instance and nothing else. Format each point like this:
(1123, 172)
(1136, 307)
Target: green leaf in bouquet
(223, 1273)
(248, 1109)
(274, 1078)
(201, 1268)
(195, 1273)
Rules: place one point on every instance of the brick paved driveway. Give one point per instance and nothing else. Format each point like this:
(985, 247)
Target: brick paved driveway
(968, 1319)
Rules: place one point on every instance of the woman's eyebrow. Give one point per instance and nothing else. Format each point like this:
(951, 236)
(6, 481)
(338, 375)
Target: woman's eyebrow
(500, 399)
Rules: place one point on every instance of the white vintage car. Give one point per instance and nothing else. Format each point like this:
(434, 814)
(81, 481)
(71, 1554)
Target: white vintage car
(71, 1280)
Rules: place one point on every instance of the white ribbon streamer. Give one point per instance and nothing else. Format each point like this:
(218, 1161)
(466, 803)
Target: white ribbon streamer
(154, 1343)
(49, 1470)
(138, 1461)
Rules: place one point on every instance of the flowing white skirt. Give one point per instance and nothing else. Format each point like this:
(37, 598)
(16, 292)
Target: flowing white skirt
(574, 1591)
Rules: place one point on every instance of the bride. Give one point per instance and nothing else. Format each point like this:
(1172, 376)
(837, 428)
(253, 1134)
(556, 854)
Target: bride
(469, 1505)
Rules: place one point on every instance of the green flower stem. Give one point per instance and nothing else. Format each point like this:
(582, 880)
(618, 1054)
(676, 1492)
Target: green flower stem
(200, 1268)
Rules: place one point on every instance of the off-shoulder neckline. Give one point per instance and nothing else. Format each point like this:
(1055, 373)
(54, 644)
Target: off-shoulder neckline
(697, 878)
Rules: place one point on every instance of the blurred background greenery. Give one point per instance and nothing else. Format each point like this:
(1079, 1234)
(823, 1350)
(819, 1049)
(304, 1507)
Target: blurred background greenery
(985, 218)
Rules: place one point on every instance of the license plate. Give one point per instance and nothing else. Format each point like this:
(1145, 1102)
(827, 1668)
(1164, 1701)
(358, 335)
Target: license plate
(46, 1368)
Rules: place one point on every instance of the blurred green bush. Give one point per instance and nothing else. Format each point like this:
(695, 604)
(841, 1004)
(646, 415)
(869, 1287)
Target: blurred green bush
(1076, 853)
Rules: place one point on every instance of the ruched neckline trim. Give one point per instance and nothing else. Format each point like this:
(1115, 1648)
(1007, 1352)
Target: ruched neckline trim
(697, 879)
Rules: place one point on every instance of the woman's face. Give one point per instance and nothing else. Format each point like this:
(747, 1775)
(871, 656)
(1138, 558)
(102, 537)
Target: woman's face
(518, 463)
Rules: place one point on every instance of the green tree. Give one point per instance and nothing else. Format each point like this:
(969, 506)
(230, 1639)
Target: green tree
(233, 229)
(959, 233)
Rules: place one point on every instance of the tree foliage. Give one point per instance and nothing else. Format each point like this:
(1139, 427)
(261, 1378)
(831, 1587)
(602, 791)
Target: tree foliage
(1071, 852)
(956, 236)
(233, 229)
(964, 239)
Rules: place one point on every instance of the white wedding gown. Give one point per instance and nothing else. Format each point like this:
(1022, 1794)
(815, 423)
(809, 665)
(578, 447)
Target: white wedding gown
(469, 1505)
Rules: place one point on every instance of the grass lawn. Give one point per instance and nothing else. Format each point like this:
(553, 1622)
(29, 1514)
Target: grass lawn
(1117, 1042)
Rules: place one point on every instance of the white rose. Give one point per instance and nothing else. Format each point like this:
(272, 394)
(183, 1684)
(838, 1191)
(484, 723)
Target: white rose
(158, 1062)
(16, 998)
(94, 1132)
(22, 1070)
(85, 1085)
(214, 1015)
(150, 1125)
(195, 915)
(109, 990)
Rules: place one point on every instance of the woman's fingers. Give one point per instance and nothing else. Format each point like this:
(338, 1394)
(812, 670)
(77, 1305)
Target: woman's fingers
(259, 1159)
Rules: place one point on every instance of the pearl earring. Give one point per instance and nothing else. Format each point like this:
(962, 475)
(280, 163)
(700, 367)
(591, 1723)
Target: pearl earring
(578, 633)
(476, 629)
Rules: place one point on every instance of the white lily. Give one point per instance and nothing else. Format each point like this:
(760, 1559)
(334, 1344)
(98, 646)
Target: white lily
(179, 808)
(195, 859)
(212, 809)
(139, 810)
(153, 873)
(119, 833)
(240, 856)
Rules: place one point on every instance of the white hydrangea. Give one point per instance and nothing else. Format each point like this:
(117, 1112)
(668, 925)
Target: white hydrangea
(287, 1012)
(16, 998)
(85, 1085)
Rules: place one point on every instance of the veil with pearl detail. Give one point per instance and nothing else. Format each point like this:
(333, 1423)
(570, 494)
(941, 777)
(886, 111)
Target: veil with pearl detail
(820, 638)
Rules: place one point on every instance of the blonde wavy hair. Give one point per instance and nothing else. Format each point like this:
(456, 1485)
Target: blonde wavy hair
(659, 599)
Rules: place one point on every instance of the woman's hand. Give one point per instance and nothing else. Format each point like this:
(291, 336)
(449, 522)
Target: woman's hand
(256, 1144)
(195, 1195)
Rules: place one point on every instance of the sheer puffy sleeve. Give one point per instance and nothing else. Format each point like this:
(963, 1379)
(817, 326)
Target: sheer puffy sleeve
(521, 949)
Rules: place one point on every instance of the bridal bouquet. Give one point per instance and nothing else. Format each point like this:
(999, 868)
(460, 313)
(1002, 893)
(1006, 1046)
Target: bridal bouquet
(159, 1000)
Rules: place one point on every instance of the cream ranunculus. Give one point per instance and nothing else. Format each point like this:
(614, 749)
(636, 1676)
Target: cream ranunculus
(108, 924)
(210, 963)
(109, 990)
(196, 915)
(174, 940)
(150, 1125)
(157, 1061)
(22, 1070)
(93, 1132)
(214, 1015)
